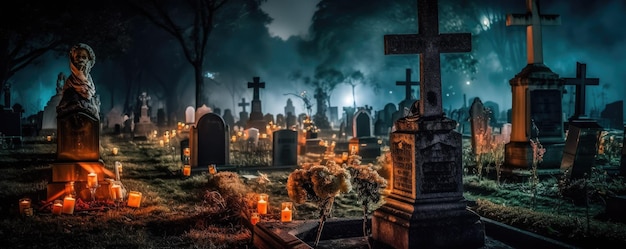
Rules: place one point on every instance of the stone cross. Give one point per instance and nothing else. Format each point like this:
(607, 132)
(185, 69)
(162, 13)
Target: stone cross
(144, 98)
(429, 44)
(407, 84)
(243, 104)
(256, 85)
(533, 20)
(581, 81)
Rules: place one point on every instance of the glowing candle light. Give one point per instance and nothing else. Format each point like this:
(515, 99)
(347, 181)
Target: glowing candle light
(187, 152)
(161, 143)
(92, 180)
(262, 204)
(286, 212)
(212, 169)
(68, 205)
(134, 199)
(187, 170)
(116, 192)
(254, 218)
(115, 151)
(49, 138)
(24, 204)
(57, 207)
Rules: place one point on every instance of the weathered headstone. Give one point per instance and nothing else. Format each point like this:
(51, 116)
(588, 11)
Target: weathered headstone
(536, 97)
(190, 115)
(228, 118)
(144, 127)
(426, 207)
(285, 148)
(114, 117)
(78, 140)
(209, 141)
(362, 124)
(581, 147)
(614, 114)
(243, 115)
(201, 111)
(480, 126)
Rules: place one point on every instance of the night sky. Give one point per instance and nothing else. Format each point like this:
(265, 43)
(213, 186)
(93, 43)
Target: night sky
(591, 32)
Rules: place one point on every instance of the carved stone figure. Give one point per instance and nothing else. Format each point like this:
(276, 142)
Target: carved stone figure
(79, 89)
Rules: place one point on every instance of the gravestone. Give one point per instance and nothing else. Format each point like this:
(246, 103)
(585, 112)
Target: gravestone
(201, 111)
(362, 124)
(426, 207)
(269, 118)
(161, 117)
(387, 115)
(144, 127)
(209, 141)
(114, 117)
(190, 115)
(581, 82)
(479, 120)
(289, 108)
(78, 129)
(253, 137)
(285, 148)
(581, 147)
(614, 114)
(49, 119)
(320, 119)
(228, 118)
(256, 114)
(536, 98)
(290, 121)
(243, 115)
(280, 120)
(11, 125)
(348, 113)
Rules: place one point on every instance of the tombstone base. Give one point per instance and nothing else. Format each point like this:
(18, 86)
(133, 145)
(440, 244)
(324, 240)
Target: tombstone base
(519, 156)
(428, 225)
(64, 172)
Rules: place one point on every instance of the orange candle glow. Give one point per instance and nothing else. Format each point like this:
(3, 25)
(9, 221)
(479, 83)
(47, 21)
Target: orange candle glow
(187, 152)
(115, 150)
(161, 143)
(187, 170)
(24, 204)
(262, 204)
(68, 205)
(57, 207)
(92, 180)
(254, 218)
(212, 169)
(286, 213)
(49, 138)
(116, 192)
(134, 199)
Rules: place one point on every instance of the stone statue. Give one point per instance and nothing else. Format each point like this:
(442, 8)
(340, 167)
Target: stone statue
(79, 89)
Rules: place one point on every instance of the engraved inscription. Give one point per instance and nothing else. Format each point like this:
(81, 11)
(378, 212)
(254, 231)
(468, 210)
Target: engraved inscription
(403, 164)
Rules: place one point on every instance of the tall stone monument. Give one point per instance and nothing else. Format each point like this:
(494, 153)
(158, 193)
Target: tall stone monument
(256, 114)
(426, 207)
(243, 115)
(536, 98)
(78, 129)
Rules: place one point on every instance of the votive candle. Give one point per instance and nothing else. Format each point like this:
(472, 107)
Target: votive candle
(116, 192)
(24, 204)
(115, 151)
(57, 207)
(134, 199)
(92, 180)
(286, 212)
(254, 218)
(262, 204)
(187, 170)
(68, 205)
(49, 138)
(212, 169)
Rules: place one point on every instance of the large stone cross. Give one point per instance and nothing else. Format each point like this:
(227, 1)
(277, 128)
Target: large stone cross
(144, 98)
(533, 20)
(407, 84)
(256, 85)
(429, 44)
(243, 104)
(581, 81)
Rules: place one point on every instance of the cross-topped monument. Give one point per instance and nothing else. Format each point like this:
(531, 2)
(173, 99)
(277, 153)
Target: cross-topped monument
(243, 104)
(581, 82)
(407, 83)
(256, 85)
(144, 98)
(256, 114)
(426, 207)
(429, 44)
(533, 20)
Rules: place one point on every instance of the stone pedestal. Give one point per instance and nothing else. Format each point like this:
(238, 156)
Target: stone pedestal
(426, 207)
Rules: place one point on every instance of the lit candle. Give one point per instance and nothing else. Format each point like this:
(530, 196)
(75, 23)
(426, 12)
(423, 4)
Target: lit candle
(134, 199)
(24, 204)
(262, 204)
(115, 150)
(57, 207)
(49, 138)
(161, 142)
(118, 170)
(212, 169)
(68, 205)
(286, 212)
(92, 180)
(187, 152)
(254, 218)
(186, 170)
(116, 192)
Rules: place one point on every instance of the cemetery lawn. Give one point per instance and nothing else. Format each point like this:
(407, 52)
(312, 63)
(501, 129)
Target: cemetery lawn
(212, 212)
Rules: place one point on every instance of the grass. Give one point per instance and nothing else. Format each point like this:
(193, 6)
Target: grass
(211, 212)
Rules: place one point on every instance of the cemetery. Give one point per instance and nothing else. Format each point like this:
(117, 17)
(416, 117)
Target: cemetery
(294, 170)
